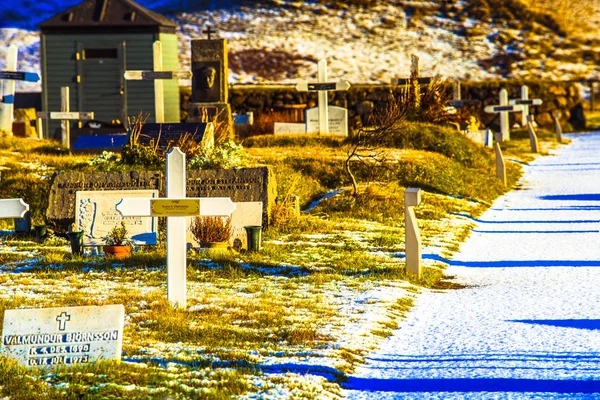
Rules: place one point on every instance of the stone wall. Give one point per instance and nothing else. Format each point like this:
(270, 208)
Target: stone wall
(288, 105)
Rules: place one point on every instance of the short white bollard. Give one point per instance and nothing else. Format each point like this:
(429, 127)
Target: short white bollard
(412, 198)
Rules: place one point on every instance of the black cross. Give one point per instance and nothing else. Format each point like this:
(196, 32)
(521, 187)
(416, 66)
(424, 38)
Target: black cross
(209, 31)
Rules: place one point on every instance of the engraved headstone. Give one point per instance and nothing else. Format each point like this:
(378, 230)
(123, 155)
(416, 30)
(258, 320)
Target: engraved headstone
(338, 120)
(241, 185)
(288, 128)
(61, 204)
(63, 335)
(96, 215)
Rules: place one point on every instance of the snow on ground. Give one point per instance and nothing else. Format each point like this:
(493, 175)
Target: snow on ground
(528, 324)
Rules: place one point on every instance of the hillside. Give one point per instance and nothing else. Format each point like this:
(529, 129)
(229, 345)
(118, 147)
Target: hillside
(366, 41)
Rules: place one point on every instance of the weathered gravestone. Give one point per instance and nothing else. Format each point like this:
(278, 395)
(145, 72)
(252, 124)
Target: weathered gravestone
(337, 117)
(63, 336)
(164, 135)
(241, 185)
(210, 85)
(246, 214)
(96, 215)
(61, 205)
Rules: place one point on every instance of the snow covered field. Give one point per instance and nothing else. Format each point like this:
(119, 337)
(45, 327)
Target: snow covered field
(528, 323)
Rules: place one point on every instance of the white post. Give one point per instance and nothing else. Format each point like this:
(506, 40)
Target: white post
(533, 140)
(525, 112)
(557, 127)
(504, 120)
(412, 198)
(500, 164)
(39, 127)
(159, 109)
(8, 98)
(65, 124)
(456, 95)
(323, 106)
(176, 227)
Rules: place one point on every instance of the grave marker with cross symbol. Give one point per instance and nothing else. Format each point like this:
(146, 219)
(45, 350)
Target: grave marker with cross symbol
(62, 320)
(503, 109)
(157, 75)
(176, 207)
(322, 86)
(208, 31)
(526, 102)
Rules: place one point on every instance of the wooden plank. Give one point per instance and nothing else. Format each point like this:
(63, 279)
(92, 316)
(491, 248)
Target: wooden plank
(76, 115)
(509, 108)
(404, 81)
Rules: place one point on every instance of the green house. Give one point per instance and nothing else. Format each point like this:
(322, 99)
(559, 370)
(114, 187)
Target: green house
(90, 46)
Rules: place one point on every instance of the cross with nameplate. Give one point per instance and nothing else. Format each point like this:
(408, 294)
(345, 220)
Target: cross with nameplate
(13, 208)
(503, 109)
(526, 102)
(157, 75)
(322, 86)
(176, 207)
(7, 91)
(208, 31)
(65, 115)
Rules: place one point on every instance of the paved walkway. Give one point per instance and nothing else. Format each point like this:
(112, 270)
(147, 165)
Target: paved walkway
(528, 326)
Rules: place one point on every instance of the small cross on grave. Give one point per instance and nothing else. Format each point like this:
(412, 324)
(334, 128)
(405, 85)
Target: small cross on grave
(7, 90)
(62, 320)
(414, 75)
(322, 86)
(176, 207)
(65, 115)
(209, 31)
(503, 109)
(13, 208)
(157, 75)
(526, 103)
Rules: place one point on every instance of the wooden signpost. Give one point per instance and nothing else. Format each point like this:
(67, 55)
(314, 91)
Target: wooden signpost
(176, 207)
(7, 91)
(65, 116)
(526, 102)
(13, 208)
(158, 75)
(503, 109)
(322, 86)
(412, 198)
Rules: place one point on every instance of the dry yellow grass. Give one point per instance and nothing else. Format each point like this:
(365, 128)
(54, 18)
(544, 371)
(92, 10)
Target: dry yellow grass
(578, 17)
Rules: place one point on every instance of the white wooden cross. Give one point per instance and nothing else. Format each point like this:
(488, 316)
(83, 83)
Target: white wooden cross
(176, 207)
(323, 87)
(503, 109)
(157, 75)
(65, 116)
(526, 103)
(13, 208)
(7, 91)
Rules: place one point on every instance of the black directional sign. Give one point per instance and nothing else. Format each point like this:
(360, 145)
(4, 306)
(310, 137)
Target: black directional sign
(420, 81)
(19, 76)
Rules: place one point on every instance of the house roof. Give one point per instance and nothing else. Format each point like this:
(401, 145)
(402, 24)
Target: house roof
(102, 14)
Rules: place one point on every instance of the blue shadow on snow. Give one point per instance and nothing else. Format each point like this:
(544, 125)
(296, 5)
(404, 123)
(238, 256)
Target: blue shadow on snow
(574, 197)
(509, 263)
(473, 385)
(589, 324)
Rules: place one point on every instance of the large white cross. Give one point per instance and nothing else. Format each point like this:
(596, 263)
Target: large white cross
(13, 208)
(157, 75)
(7, 91)
(503, 109)
(176, 207)
(526, 103)
(65, 115)
(323, 87)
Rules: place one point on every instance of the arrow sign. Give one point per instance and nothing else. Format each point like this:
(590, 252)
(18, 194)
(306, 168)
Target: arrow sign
(495, 109)
(19, 76)
(13, 208)
(305, 86)
(533, 102)
(142, 207)
(153, 75)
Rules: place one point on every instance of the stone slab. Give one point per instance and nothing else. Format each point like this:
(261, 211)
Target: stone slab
(96, 215)
(482, 137)
(245, 214)
(338, 120)
(63, 335)
(165, 134)
(288, 128)
(241, 185)
(61, 205)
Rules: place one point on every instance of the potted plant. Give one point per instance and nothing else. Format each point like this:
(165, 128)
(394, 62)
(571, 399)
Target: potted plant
(212, 232)
(117, 244)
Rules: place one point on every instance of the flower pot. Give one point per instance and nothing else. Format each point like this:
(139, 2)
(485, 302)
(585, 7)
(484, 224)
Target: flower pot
(214, 245)
(76, 239)
(122, 251)
(253, 235)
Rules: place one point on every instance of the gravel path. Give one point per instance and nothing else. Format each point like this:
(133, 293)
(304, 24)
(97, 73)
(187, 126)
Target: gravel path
(528, 325)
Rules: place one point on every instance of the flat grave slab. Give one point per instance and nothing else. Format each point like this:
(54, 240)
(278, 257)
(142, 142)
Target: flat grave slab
(63, 335)
(98, 144)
